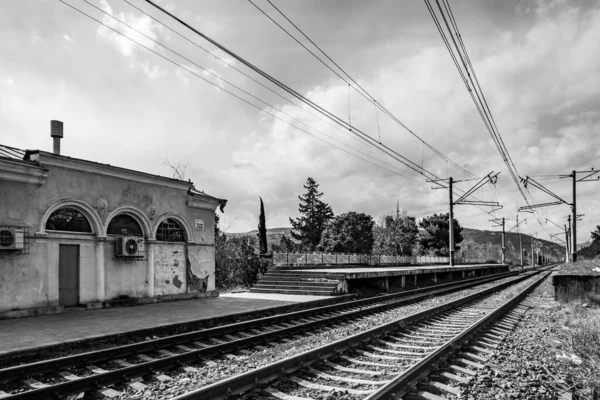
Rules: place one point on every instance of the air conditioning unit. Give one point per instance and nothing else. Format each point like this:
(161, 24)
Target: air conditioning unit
(12, 239)
(129, 246)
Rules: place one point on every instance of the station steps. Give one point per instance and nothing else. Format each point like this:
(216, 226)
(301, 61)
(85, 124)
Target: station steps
(300, 282)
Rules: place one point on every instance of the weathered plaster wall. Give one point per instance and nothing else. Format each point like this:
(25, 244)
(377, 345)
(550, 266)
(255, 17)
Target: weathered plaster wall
(169, 268)
(31, 280)
(201, 268)
(124, 277)
(23, 278)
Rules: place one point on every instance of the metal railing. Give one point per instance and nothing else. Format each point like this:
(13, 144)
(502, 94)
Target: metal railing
(294, 259)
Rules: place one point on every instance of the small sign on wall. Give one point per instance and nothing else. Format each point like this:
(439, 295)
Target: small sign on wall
(199, 224)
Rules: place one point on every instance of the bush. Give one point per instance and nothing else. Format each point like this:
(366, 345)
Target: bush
(237, 263)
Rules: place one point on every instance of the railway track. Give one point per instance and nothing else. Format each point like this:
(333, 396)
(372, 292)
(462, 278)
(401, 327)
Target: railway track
(388, 361)
(81, 373)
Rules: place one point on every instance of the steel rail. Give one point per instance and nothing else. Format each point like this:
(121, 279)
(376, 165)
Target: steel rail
(401, 385)
(146, 368)
(406, 297)
(245, 381)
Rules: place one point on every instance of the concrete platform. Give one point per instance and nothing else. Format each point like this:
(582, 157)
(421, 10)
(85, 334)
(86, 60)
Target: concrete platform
(379, 271)
(42, 332)
(332, 280)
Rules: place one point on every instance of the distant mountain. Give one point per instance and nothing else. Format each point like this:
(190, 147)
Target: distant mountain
(511, 242)
(273, 235)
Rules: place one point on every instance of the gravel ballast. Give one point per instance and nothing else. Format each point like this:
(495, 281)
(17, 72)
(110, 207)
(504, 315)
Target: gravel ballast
(525, 365)
(236, 364)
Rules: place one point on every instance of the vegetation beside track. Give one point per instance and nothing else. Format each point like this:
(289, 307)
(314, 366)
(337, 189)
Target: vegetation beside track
(556, 348)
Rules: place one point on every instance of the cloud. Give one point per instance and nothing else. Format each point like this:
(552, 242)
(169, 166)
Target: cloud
(153, 72)
(537, 63)
(549, 70)
(143, 23)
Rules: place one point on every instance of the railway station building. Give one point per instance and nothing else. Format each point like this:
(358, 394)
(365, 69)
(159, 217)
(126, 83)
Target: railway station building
(77, 233)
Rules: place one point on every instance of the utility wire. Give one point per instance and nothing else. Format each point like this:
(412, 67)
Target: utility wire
(469, 77)
(231, 93)
(291, 101)
(227, 91)
(229, 83)
(366, 138)
(363, 92)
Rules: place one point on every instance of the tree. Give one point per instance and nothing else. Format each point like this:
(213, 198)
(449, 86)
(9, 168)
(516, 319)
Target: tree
(238, 265)
(179, 169)
(348, 233)
(437, 239)
(596, 235)
(262, 230)
(314, 216)
(395, 234)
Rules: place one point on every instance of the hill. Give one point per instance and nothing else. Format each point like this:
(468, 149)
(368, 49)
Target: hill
(511, 242)
(273, 235)
(479, 237)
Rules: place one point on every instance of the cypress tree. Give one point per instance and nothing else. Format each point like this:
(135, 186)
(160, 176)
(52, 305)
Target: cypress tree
(262, 230)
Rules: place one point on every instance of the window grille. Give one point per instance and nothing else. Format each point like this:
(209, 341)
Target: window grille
(170, 230)
(124, 225)
(68, 220)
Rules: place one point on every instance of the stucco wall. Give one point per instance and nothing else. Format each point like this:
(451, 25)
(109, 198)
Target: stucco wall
(202, 267)
(31, 280)
(169, 268)
(124, 277)
(24, 280)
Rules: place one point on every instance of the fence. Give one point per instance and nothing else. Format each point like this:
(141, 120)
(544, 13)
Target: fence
(282, 259)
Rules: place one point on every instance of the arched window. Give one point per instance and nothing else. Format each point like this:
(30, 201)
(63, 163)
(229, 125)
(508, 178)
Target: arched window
(68, 220)
(124, 225)
(170, 230)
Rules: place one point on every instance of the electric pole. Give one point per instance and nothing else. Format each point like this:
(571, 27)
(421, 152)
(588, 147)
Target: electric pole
(532, 254)
(503, 243)
(589, 177)
(503, 224)
(463, 200)
(569, 242)
(574, 210)
(451, 224)
(520, 238)
(520, 241)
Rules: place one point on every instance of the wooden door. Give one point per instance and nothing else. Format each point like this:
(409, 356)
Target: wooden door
(68, 275)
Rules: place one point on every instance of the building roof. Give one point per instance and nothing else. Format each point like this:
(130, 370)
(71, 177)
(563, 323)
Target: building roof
(200, 194)
(35, 156)
(11, 152)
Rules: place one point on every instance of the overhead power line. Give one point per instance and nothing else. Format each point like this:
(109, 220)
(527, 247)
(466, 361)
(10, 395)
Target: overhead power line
(365, 137)
(230, 65)
(451, 37)
(229, 92)
(355, 85)
(423, 171)
(363, 92)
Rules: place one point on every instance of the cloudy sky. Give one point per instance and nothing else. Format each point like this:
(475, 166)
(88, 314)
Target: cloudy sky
(537, 61)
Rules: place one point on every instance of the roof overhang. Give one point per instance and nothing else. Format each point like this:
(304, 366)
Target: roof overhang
(198, 199)
(22, 172)
(55, 160)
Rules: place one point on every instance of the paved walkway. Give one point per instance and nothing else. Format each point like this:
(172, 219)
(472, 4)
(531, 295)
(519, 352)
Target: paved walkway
(36, 332)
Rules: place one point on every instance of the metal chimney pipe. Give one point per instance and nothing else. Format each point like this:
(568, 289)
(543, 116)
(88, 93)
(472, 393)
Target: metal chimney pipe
(56, 131)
